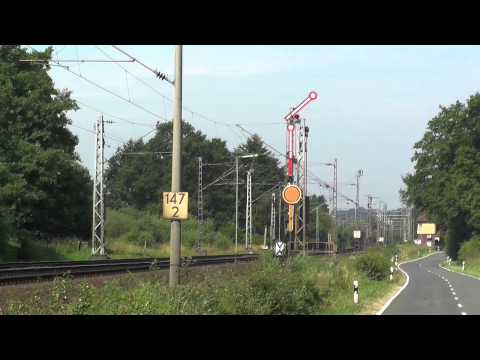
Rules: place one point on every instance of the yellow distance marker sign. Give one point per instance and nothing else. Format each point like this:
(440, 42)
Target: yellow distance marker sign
(175, 205)
(291, 194)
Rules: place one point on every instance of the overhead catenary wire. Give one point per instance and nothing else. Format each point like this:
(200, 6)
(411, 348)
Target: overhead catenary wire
(115, 94)
(215, 122)
(93, 132)
(192, 112)
(157, 73)
(114, 116)
(77, 61)
(105, 89)
(277, 185)
(283, 155)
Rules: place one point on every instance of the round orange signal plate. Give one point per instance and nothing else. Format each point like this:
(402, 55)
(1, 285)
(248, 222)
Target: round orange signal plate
(292, 194)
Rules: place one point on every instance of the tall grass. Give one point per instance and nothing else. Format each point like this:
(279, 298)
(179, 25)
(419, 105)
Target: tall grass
(311, 285)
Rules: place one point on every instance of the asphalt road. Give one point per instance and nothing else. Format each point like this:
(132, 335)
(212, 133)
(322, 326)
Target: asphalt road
(435, 291)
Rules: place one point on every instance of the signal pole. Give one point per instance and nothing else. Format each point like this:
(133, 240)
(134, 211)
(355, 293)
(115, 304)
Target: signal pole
(248, 211)
(369, 226)
(236, 205)
(236, 194)
(280, 224)
(272, 221)
(98, 243)
(357, 200)
(200, 203)
(335, 204)
(175, 228)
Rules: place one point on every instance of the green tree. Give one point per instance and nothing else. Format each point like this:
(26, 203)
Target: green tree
(42, 182)
(138, 180)
(446, 180)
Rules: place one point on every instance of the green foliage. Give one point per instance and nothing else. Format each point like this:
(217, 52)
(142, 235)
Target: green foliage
(132, 226)
(6, 233)
(41, 180)
(374, 263)
(446, 183)
(470, 250)
(139, 181)
(312, 285)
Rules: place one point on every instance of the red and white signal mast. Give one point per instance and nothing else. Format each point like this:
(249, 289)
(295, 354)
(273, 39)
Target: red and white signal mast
(295, 191)
(293, 118)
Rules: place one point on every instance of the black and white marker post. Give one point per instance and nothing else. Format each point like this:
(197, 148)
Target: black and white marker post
(463, 266)
(391, 273)
(355, 291)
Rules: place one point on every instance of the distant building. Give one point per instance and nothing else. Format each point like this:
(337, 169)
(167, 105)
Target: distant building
(427, 232)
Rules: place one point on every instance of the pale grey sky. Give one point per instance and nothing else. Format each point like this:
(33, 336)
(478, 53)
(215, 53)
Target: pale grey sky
(374, 101)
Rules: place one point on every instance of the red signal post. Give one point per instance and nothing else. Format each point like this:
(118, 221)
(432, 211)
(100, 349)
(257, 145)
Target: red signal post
(291, 119)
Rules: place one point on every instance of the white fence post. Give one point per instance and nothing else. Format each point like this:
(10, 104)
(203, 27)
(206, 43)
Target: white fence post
(355, 291)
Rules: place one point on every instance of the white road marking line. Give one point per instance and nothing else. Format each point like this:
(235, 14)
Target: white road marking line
(464, 313)
(387, 304)
(459, 305)
(453, 292)
(456, 298)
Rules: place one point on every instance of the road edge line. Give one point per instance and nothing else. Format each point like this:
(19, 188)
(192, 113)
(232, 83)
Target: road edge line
(456, 272)
(387, 304)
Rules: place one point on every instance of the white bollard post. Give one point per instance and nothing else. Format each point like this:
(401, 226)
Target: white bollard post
(463, 265)
(391, 273)
(396, 265)
(355, 291)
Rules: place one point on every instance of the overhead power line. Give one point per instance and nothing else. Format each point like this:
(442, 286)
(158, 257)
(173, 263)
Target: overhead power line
(115, 94)
(75, 61)
(93, 132)
(114, 116)
(157, 73)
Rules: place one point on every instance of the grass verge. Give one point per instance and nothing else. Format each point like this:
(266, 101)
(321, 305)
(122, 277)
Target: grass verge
(311, 285)
(471, 268)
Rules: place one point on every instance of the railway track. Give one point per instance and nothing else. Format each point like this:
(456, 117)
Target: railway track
(31, 271)
(24, 272)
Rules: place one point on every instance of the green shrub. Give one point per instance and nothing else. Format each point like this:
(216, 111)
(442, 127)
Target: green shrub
(133, 237)
(470, 249)
(221, 241)
(6, 233)
(375, 264)
(118, 223)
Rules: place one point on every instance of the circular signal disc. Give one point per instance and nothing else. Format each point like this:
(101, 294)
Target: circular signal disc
(292, 194)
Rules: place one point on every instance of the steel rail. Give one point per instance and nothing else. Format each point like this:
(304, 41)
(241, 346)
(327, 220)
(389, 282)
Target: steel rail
(42, 270)
(31, 271)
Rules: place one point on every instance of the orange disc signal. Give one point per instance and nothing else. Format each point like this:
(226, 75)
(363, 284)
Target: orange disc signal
(292, 194)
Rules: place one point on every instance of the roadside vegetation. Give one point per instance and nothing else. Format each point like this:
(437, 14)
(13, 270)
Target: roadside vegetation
(470, 253)
(311, 285)
(444, 184)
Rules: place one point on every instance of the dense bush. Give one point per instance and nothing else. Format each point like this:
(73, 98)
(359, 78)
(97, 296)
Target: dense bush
(137, 227)
(6, 233)
(269, 288)
(374, 263)
(470, 249)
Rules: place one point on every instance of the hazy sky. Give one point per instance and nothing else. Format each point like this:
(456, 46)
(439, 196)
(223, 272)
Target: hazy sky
(374, 101)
